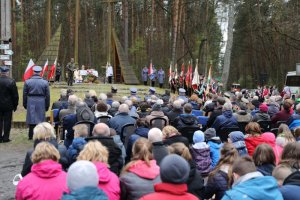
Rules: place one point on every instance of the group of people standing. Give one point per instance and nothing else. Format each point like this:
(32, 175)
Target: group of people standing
(155, 75)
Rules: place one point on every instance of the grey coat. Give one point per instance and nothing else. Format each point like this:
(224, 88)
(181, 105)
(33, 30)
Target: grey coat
(36, 99)
(145, 74)
(161, 76)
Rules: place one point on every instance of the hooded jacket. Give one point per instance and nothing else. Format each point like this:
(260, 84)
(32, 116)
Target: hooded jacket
(86, 193)
(270, 139)
(255, 188)
(291, 186)
(201, 155)
(108, 181)
(169, 191)
(225, 120)
(252, 142)
(195, 181)
(261, 116)
(139, 179)
(45, 181)
(185, 120)
(215, 146)
(242, 116)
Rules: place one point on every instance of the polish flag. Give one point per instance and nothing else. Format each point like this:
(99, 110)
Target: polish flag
(52, 70)
(150, 70)
(45, 68)
(29, 70)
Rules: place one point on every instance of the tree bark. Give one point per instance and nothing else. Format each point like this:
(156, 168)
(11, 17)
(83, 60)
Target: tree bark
(175, 28)
(227, 56)
(48, 23)
(77, 13)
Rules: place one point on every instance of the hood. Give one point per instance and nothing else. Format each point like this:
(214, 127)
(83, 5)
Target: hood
(239, 145)
(142, 131)
(86, 193)
(103, 172)
(263, 187)
(227, 113)
(188, 119)
(200, 145)
(242, 112)
(247, 177)
(265, 169)
(141, 169)
(236, 136)
(263, 116)
(269, 138)
(215, 145)
(293, 179)
(46, 169)
(157, 113)
(172, 189)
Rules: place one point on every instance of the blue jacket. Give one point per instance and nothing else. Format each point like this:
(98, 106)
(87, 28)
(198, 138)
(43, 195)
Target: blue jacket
(225, 120)
(216, 185)
(36, 99)
(241, 147)
(139, 132)
(119, 120)
(75, 148)
(259, 188)
(86, 193)
(215, 147)
(291, 186)
(161, 76)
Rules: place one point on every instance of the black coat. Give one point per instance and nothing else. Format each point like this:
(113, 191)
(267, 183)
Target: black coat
(159, 151)
(217, 112)
(185, 120)
(173, 114)
(9, 97)
(64, 159)
(195, 182)
(216, 185)
(115, 159)
(176, 138)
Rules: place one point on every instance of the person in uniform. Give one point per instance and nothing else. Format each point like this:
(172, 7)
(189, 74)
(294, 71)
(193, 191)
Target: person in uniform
(9, 99)
(161, 77)
(151, 93)
(109, 73)
(70, 69)
(133, 93)
(57, 72)
(182, 95)
(145, 75)
(153, 77)
(36, 99)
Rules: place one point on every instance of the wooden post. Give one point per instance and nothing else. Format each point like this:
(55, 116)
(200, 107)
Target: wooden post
(77, 10)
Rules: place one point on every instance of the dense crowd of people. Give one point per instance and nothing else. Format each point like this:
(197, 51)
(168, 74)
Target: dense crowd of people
(231, 146)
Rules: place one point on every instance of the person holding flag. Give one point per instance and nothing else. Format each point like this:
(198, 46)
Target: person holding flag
(152, 74)
(145, 75)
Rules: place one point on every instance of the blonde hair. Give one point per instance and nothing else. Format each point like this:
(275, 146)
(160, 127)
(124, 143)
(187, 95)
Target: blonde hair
(169, 130)
(94, 151)
(45, 151)
(92, 93)
(180, 149)
(141, 150)
(43, 131)
(81, 130)
(194, 97)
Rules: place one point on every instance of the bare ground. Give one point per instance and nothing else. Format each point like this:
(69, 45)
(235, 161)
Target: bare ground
(12, 157)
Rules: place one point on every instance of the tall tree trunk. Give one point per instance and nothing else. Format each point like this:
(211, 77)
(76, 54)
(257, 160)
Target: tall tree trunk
(77, 13)
(152, 28)
(48, 23)
(227, 56)
(87, 36)
(175, 28)
(125, 15)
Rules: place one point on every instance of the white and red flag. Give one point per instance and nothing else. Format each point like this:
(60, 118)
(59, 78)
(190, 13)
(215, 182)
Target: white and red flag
(52, 70)
(45, 68)
(29, 70)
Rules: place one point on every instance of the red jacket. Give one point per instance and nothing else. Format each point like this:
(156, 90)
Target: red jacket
(252, 143)
(169, 191)
(45, 181)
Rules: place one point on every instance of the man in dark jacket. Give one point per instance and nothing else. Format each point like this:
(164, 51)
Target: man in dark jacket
(226, 120)
(262, 114)
(9, 99)
(101, 132)
(62, 103)
(175, 112)
(36, 99)
(187, 119)
(216, 112)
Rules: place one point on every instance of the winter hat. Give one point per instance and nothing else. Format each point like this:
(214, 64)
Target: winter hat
(236, 136)
(174, 169)
(82, 174)
(263, 108)
(198, 137)
(210, 133)
(156, 107)
(255, 102)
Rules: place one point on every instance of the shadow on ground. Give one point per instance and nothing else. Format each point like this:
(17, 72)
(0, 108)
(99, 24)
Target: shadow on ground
(12, 157)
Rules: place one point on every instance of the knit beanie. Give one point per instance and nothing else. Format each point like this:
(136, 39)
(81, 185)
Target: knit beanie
(198, 137)
(263, 107)
(174, 169)
(236, 136)
(82, 174)
(156, 107)
(210, 133)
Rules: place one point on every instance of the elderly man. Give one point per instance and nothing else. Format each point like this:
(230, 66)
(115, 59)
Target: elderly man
(9, 99)
(114, 108)
(36, 99)
(62, 103)
(159, 149)
(226, 120)
(156, 112)
(101, 132)
(182, 95)
(72, 100)
(121, 118)
(175, 112)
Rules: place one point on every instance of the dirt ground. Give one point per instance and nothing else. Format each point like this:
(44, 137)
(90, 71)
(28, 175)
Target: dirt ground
(12, 157)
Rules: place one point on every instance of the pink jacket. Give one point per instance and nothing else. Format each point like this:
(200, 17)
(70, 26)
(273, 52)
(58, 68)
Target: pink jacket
(45, 181)
(108, 181)
(270, 139)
